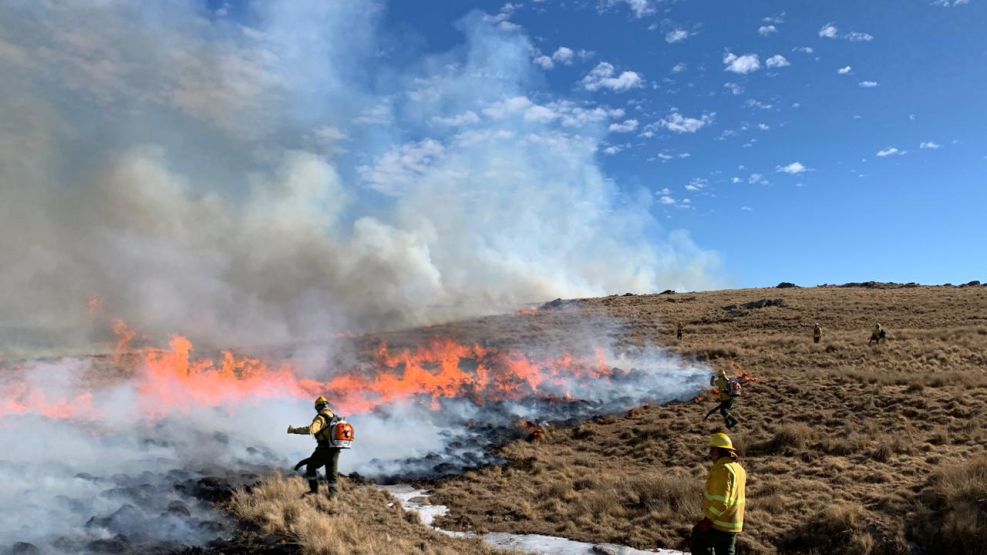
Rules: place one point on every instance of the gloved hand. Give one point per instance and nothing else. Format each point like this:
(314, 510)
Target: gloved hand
(704, 526)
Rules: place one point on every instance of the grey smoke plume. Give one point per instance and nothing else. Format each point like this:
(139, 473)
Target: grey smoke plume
(291, 170)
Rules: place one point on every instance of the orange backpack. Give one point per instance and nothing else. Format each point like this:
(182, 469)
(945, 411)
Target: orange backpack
(342, 435)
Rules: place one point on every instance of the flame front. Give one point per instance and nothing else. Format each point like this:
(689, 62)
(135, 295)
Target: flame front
(174, 380)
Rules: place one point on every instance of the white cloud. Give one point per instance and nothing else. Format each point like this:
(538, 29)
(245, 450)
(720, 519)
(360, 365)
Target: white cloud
(545, 62)
(667, 200)
(803, 49)
(626, 127)
(734, 88)
(868, 84)
(765, 30)
(541, 114)
(757, 179)
(745, 64)
(503, 108)
(794, 168)
(929, 145)
(948, 4)
(891, 151)
(829, 31)
(763, 126)
(468, 117)
(613, 149)
(602, 77)
(501, 19)
(735, 179)
(755, 103)
(696, 184)
(665, 157)
(676, 35)
(844, 70)
(777, 61)
(563, 55)
(679, 67)
(854, 36)
(381, 114)
(746, 208)
(639, 8)
(677, 123)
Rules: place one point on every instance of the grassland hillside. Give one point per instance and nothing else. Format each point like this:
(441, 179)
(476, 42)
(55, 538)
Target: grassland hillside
(850, 448)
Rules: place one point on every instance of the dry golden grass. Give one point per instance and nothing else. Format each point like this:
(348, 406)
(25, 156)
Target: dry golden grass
(363, 520)
(839, 438)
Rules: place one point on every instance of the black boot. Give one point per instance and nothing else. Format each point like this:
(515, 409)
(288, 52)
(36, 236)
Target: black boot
(313, 487)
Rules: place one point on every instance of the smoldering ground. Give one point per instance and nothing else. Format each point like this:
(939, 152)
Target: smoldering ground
(91, 470)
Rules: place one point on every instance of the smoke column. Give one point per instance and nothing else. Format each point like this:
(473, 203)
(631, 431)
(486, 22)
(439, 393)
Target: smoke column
(272, 174)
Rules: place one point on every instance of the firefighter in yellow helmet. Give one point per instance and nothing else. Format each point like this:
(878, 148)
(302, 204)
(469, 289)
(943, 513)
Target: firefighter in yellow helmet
(325, 454)
(722, 384)
(816, 333)
(723, 513)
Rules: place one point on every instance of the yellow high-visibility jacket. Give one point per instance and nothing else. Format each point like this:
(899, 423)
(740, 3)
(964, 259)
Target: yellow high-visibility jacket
(319, 426)
(723, 386)
(725, 495)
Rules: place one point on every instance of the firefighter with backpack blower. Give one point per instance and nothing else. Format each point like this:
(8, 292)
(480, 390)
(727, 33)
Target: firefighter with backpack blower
(727, 389)
(332, 434)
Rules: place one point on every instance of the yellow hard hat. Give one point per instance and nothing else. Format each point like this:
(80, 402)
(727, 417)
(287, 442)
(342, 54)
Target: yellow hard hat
(721, 440)
(320, 400)
(721, 372)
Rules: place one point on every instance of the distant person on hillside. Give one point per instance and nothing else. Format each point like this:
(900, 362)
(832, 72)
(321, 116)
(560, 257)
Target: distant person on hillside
(725, 397)
(678, 330)
(723, 513)
(816, 333)
(878, 335)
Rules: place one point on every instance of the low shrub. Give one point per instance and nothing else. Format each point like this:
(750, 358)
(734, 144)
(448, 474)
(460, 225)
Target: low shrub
(951, 510)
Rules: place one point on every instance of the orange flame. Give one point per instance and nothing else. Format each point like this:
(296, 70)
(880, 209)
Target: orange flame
(173, 380)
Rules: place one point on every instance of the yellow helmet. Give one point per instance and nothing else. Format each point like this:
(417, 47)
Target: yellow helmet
(321, 400)
(721, 372)
(721, 440)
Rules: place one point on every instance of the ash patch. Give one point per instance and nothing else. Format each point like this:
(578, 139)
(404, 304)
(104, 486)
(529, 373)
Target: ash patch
(134, 495)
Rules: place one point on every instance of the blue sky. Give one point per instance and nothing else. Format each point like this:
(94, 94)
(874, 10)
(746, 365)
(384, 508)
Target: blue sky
(912, 214)
(280, 168)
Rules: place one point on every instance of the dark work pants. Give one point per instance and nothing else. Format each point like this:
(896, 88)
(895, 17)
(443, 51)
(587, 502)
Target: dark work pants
(713, 542)
(724, 408)
(328, 457)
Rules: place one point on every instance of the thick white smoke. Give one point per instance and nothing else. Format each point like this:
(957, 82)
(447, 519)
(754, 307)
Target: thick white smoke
(112, 478)
(291, 170)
